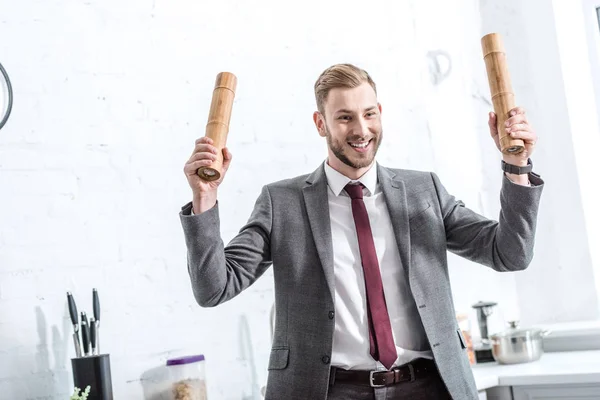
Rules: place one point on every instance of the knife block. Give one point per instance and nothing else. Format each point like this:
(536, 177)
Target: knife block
(95, 372)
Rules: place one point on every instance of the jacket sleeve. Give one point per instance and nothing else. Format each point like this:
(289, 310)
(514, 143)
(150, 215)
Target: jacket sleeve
(217, 272)
(504, 245)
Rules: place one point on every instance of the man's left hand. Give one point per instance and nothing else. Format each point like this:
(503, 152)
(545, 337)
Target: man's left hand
(517, 126)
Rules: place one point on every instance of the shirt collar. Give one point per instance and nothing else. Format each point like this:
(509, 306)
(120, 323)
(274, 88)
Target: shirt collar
(337, 181)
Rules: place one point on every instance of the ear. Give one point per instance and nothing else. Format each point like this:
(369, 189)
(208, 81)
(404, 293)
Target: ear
(379, 106)
(320, 123)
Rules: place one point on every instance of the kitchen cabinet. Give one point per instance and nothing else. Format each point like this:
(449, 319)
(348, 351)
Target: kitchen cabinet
(546, 392)
(499, 393)
(557, 376)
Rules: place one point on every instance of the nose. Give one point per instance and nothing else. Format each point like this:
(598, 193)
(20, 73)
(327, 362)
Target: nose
(362, 127)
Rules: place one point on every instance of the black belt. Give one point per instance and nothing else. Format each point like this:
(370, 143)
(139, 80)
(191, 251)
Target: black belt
(417, 369)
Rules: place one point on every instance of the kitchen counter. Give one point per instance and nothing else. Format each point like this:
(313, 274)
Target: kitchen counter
(553, 368)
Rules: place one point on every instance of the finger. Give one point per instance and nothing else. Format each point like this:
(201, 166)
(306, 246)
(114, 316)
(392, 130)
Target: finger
(204, 139)
(517, 119)
(526, 136)
(492, 123)
(518, 127)
(205, 148)
(202, 156)
(516, 110)
(227, 156)
(192, 168)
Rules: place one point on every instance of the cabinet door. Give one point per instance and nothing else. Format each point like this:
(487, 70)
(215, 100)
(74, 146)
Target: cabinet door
(500, 393)
(557, 392)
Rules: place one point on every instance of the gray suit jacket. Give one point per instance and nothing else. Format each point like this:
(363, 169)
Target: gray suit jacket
(289, 228)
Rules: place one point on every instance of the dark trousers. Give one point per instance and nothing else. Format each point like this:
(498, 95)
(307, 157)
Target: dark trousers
(430, 387)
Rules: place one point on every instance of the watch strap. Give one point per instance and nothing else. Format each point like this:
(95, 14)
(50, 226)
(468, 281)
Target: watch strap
(517, 170)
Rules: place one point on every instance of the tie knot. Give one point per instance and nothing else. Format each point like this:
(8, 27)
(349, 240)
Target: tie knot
(355, 191)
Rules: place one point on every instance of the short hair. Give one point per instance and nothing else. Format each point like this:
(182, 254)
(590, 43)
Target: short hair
(339, 76)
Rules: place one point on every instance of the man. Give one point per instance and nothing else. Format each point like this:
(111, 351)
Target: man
(362, 295)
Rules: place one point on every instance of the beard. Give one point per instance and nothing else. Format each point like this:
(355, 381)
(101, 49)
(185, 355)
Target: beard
(354, 159)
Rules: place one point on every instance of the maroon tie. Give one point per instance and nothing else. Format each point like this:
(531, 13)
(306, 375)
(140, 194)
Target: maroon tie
(380, 328)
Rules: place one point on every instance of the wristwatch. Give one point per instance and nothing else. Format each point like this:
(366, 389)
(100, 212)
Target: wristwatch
(513, 169)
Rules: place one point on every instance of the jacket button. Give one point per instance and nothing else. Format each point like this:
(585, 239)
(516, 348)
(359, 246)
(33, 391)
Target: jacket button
(325, 359)
(331, 314)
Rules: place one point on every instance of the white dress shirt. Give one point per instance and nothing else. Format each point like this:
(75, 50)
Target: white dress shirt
(351, 349)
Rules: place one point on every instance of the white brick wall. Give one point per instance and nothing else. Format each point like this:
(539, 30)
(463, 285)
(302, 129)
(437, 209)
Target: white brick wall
(109, 98)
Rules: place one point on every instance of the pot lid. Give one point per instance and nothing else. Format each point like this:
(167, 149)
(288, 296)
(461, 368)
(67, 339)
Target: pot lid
(482, 304)
(514, 332)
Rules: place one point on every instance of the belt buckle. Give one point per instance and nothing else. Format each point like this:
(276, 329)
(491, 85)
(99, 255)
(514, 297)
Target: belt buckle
(371, 378)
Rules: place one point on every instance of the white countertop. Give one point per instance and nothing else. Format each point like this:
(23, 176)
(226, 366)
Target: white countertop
(552, 368)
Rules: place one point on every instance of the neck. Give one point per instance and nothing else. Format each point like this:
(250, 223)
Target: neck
(346, 170)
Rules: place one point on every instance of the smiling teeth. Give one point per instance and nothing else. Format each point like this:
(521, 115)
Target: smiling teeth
(360, 145)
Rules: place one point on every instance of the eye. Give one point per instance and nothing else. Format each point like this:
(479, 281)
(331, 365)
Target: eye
(370, 113)
(344, 117)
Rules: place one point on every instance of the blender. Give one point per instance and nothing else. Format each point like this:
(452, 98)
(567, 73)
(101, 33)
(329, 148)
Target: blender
(483, 348)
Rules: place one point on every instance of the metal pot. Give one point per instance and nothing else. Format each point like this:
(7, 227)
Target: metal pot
(516, 346)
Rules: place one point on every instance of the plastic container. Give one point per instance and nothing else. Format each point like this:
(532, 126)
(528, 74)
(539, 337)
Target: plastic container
(465, 327)
(187, 377)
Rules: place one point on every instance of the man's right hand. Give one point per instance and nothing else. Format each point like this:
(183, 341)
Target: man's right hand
(205, 193)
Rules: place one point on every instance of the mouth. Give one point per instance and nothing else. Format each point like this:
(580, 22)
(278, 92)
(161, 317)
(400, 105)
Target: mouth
(361, 146)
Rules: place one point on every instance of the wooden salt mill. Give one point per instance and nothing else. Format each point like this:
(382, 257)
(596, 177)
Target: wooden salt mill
(501, 89)
(217, 126)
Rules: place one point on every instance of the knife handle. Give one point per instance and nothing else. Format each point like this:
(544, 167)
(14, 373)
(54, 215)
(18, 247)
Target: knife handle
(98, 337)
(96, 304)
(85, 336)
(73, 311)
(93, 335)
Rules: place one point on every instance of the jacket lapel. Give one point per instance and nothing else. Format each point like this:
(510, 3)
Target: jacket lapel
(317, 208)
(394, 193)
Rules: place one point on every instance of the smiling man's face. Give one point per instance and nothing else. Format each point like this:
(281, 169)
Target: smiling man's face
(352, 126)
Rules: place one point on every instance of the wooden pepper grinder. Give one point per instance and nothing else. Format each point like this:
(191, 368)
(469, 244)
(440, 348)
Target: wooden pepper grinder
(219, 117)
(501, 90)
